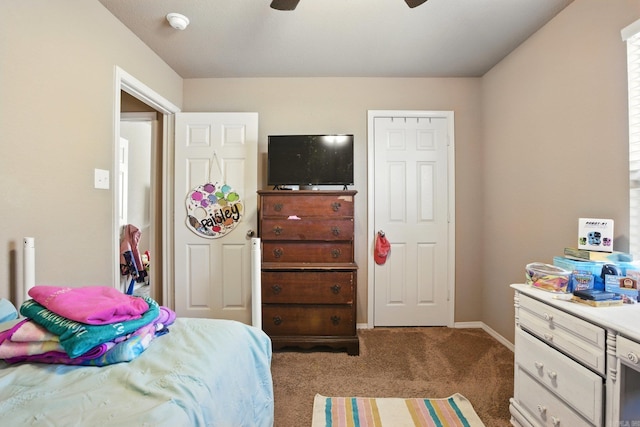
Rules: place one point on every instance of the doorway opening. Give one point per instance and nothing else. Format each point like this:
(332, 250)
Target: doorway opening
(133, 98)
(140, 190)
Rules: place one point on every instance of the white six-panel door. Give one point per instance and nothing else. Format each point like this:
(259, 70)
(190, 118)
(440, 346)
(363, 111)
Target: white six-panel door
(411, 206)
(213, 276)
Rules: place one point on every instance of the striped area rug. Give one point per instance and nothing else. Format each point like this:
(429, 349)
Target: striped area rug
(393, 412)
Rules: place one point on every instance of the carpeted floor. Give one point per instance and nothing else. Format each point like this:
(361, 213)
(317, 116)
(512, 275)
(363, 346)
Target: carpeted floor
(431, 362)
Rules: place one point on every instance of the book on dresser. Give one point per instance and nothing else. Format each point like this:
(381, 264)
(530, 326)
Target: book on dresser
(595, 303)
(308, 273)
(589, 255)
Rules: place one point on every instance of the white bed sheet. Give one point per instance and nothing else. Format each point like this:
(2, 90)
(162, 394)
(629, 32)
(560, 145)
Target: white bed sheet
(204, 372)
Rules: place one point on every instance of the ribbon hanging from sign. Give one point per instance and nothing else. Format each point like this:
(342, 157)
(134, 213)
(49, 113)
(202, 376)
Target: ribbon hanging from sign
(213, 209)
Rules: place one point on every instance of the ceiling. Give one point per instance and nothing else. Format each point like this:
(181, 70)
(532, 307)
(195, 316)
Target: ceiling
(335, 38)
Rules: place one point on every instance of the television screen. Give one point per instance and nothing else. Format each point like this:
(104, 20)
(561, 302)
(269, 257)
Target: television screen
(310, 160)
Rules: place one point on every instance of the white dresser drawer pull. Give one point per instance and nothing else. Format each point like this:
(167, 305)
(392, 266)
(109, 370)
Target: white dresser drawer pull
(548, 317)
(555, 421)
(542, 410)
(553, 375)
(539, 365)
(633, 357)
(548, 337)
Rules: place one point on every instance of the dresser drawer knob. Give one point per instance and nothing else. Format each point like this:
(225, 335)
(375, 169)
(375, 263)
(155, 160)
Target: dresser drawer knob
(633, 357)
(336, 288)
(542, 410)
(277, 320)
(539, 365)
(277, 207)
(548, 317)
(335, 206)
(553, 375)
(277, 230)
(276, 289)
(336, 252)
(277, 252)
(548, 337)
(335, 320)
(555, 421)
(335, 231)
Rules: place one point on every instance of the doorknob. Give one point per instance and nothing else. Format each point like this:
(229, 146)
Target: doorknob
(250, 233)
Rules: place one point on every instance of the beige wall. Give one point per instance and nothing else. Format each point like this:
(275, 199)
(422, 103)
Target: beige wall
(56, 126)
(339, 105)
(555, 145)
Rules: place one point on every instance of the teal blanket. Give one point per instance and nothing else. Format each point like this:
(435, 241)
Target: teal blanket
(77, 338)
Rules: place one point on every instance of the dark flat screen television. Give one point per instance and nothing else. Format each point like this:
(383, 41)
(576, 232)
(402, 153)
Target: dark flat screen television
(310, 160)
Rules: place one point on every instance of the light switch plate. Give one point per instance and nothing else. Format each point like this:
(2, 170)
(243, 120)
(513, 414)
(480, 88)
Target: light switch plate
(101, 179)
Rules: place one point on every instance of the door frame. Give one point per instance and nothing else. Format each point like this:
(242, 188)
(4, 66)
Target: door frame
(371, 191)
(124, 81)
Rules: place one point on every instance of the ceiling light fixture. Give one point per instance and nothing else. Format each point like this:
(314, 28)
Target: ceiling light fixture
(178, 21)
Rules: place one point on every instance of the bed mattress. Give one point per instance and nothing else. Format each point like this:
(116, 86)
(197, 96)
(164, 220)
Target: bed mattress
(204, 372)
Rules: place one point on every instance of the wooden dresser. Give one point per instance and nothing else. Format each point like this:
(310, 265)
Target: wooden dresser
(308, 270)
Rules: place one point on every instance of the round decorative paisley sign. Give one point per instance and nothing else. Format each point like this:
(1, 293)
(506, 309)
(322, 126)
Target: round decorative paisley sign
(213, 210)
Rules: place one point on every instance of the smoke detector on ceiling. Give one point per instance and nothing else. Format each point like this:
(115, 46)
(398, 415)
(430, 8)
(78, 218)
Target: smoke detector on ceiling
(178, 21)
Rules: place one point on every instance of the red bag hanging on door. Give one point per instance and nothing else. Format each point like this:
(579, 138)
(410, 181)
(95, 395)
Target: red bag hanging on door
(382, 249)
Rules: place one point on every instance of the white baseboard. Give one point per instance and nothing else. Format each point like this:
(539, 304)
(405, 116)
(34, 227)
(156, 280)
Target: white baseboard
(488, 330)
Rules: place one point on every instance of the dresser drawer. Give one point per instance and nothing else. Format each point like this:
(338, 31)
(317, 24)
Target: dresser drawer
(628, 352)
(301, 205)
(317, 252)
(544, 407)
(307, 229)
(308, 287)
(579, 339)
(572, 382)
(308, 320)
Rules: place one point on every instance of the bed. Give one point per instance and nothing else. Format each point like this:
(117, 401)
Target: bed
(204, 372)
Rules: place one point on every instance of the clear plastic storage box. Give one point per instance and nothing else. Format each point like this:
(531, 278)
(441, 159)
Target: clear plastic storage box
(548, 277)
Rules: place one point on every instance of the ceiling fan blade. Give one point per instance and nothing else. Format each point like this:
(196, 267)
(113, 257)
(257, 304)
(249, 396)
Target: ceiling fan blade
(284, 4)
(414, 3)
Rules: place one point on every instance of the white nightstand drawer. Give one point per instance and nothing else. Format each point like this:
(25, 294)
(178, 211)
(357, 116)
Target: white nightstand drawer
(628, 352)
(572, 382)
(579, 339)
(544, 407)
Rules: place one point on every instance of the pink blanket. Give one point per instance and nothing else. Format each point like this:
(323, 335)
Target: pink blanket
(94, 305)
(28, 331)
(26, 339)
(10, 349)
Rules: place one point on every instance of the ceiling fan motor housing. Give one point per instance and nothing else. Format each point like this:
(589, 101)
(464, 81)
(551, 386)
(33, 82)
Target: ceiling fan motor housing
(291, 4)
